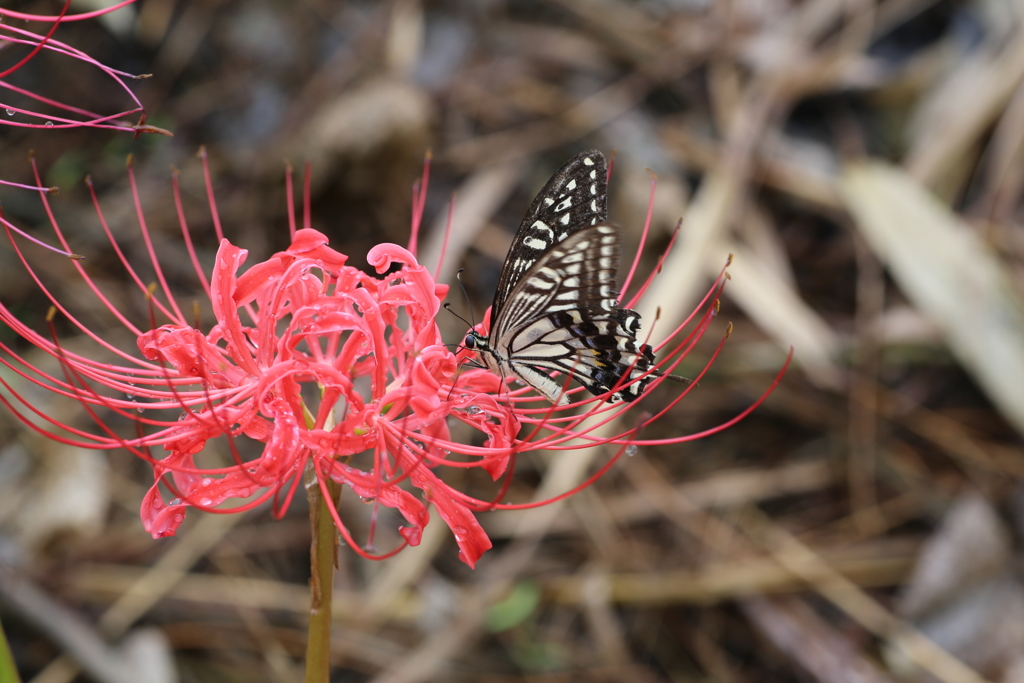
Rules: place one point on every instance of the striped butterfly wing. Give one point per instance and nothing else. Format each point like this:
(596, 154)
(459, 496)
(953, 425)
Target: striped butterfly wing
(563, 315)
(574, 198)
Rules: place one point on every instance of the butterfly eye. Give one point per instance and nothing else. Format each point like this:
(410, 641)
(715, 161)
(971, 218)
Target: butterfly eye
(470, 342)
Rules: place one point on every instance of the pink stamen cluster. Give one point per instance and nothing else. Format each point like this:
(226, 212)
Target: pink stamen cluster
(315, 371)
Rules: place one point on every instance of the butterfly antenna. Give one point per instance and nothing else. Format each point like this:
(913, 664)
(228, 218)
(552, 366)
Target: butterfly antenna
(448, 307)
(458, 276)
(472, 325)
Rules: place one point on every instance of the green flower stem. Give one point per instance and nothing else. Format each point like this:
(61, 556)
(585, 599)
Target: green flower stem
(8, 671)
(323, 553)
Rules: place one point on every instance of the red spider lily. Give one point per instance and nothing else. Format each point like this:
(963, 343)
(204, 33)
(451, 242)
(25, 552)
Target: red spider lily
(31, 109)
(339, 375)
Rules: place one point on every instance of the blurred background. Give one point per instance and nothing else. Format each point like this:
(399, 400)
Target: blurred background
(863, 160)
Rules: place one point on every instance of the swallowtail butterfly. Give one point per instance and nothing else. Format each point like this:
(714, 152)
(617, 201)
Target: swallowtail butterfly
(557, 307)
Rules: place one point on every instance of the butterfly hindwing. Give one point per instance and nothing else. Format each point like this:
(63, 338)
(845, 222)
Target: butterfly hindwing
(564, 315)
(575, 197)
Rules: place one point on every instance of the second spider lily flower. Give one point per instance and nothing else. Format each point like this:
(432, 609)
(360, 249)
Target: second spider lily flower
(26, 104)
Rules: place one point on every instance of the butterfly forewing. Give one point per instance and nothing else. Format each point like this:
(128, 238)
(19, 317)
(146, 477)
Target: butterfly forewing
(576, 274)
(575, 197)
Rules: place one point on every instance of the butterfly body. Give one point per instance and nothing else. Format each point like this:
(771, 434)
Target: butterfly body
(556, 307)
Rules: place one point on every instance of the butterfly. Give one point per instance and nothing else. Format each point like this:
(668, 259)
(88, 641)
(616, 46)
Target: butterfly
(556, 307)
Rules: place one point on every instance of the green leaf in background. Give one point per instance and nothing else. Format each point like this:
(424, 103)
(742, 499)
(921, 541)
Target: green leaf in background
(8, 671)
(516, 608)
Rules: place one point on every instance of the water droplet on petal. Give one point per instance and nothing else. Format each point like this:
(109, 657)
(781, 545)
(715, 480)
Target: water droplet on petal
(206, 482)
(474, 410)
(205, 501)
(631, 450)
(175, 501)
(178, 518)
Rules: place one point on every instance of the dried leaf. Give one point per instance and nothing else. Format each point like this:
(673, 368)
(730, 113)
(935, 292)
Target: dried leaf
(948, 273)
(970, 547)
